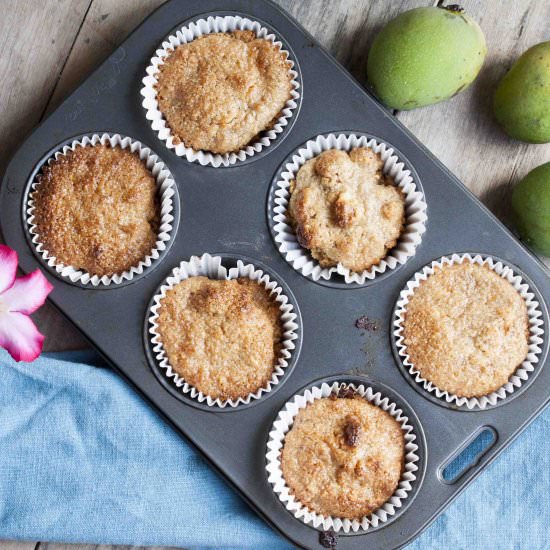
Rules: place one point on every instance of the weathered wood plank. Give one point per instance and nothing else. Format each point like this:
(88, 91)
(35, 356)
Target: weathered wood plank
(346, 28)
(35, 40)
(14, 545)
(107, 24)
(462, 132)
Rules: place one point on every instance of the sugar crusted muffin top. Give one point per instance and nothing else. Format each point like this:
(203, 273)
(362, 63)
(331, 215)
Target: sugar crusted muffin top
(219, 91)
(343, 457)
(466, 329)
(345, 210)
(97, 209)
(221, 336)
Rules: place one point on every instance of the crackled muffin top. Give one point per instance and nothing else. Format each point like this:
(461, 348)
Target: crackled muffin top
(219, 91)
(222, 337)
(466, 329)
(345, 210)
(97, 209)
(343, 456)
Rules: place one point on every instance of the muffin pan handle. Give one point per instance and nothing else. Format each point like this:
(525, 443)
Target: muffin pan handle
(468, 455)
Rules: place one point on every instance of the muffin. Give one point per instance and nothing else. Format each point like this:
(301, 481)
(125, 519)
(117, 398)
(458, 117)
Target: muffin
(223, 337)
(218, 92)
(97, 209)
(466, 330)
(345, 210)
(343, 456)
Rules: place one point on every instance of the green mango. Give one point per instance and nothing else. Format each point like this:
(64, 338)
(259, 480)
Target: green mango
(531, 207)
(522, 99)
(424, 56)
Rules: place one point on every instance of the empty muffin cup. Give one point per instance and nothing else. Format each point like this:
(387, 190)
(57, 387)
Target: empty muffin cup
(535, 327)
(213, 268)
(196, 29)
(165, 189)
(299, 257)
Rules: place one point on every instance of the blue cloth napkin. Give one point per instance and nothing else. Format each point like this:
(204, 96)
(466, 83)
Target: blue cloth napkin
(84, 459)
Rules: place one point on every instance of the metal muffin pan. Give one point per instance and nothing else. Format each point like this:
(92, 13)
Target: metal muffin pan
(223, 211)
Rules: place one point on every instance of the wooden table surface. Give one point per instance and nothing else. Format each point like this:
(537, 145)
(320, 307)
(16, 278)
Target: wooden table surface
(49, 46)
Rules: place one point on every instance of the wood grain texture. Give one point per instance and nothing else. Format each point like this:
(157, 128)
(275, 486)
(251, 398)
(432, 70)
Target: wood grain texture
(461, 132)
(107, 24)
(34, 40)
(346, 28)
(14, 545)
(54, 546)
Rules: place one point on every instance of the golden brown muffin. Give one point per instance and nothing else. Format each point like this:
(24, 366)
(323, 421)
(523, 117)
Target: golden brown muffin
(218, 92)
(222, 337)
(97, 209)
(466, 329)
(345, 210)
(343, 457)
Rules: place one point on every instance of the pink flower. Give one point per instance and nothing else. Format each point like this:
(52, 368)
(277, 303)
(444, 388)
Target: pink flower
(18, 299)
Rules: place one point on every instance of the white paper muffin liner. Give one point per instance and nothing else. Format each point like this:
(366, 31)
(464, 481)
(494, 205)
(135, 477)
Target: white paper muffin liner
(415, 210)
(536, 330)
(211, 266)
(165, 189)
(282, 426)
(213, 24)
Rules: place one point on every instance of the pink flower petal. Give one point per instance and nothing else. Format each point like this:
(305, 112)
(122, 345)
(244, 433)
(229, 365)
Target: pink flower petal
(8, 267)
(20, 337)
(27, 293)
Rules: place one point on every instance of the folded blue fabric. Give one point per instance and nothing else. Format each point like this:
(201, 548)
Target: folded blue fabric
(84, 459)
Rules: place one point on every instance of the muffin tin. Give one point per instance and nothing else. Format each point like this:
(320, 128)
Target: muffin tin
(222, 211)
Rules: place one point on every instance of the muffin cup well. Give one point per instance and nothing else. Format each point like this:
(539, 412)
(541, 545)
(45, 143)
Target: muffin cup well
(213, 268)
(214, 24)
(165, 189)
(283, 424)
(301, 258)
(536, 331)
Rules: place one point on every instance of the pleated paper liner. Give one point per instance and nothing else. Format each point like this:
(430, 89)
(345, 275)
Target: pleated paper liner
(166, 189)
(415, 210)
(536, 332)
(188, 33)
(213, 267)
(409, 478)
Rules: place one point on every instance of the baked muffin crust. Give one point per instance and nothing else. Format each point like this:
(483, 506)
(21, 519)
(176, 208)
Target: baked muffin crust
(223, 337)
(345, 210)
(97, 209)
(218, 92)
(343, 457)
(466, 329)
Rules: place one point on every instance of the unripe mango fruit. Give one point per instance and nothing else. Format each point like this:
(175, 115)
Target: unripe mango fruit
(522, 99)
(531, 207)
(424, 56)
